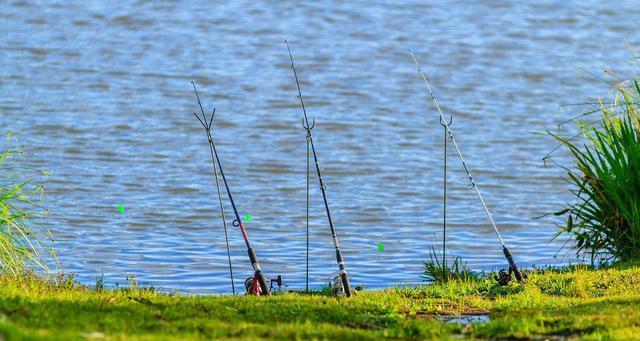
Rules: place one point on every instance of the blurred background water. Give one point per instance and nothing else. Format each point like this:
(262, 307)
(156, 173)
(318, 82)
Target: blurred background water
(100, 93)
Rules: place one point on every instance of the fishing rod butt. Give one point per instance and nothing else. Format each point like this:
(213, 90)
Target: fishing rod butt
(262, 281)
(512, 264)
(258, 276)
(342, 274)
(344, 278)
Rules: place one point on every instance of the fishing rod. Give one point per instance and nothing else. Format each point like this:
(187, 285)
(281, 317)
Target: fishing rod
(257, 285)
(342, 273)
(513, 268)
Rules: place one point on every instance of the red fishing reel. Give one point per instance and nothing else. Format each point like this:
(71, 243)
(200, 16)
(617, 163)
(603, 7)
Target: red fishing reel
(252, 285)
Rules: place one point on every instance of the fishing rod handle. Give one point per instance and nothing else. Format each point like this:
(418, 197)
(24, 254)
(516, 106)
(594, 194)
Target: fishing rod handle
(258, 272)
(344, 278)
(345, 283)
(512, 263)
(262, 281)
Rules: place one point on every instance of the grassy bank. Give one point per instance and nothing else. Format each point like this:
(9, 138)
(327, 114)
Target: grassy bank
(583, 303)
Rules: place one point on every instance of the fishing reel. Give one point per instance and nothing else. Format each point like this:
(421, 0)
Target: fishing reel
(252, 286)
(337, 288)
(504, 277)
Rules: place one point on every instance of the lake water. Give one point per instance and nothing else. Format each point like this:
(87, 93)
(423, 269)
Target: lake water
(100, 93)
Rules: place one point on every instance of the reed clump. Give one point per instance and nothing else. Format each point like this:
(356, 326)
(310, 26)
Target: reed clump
(437, 270)
(24, 241)
(604, 218)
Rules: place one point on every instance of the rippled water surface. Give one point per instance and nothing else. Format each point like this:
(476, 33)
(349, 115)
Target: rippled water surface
(100, 93)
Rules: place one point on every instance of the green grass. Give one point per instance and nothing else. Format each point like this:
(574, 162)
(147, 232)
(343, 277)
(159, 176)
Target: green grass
(580, 302)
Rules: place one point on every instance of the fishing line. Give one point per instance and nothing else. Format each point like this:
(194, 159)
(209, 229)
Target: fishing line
(512, 265)
(344, 279)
